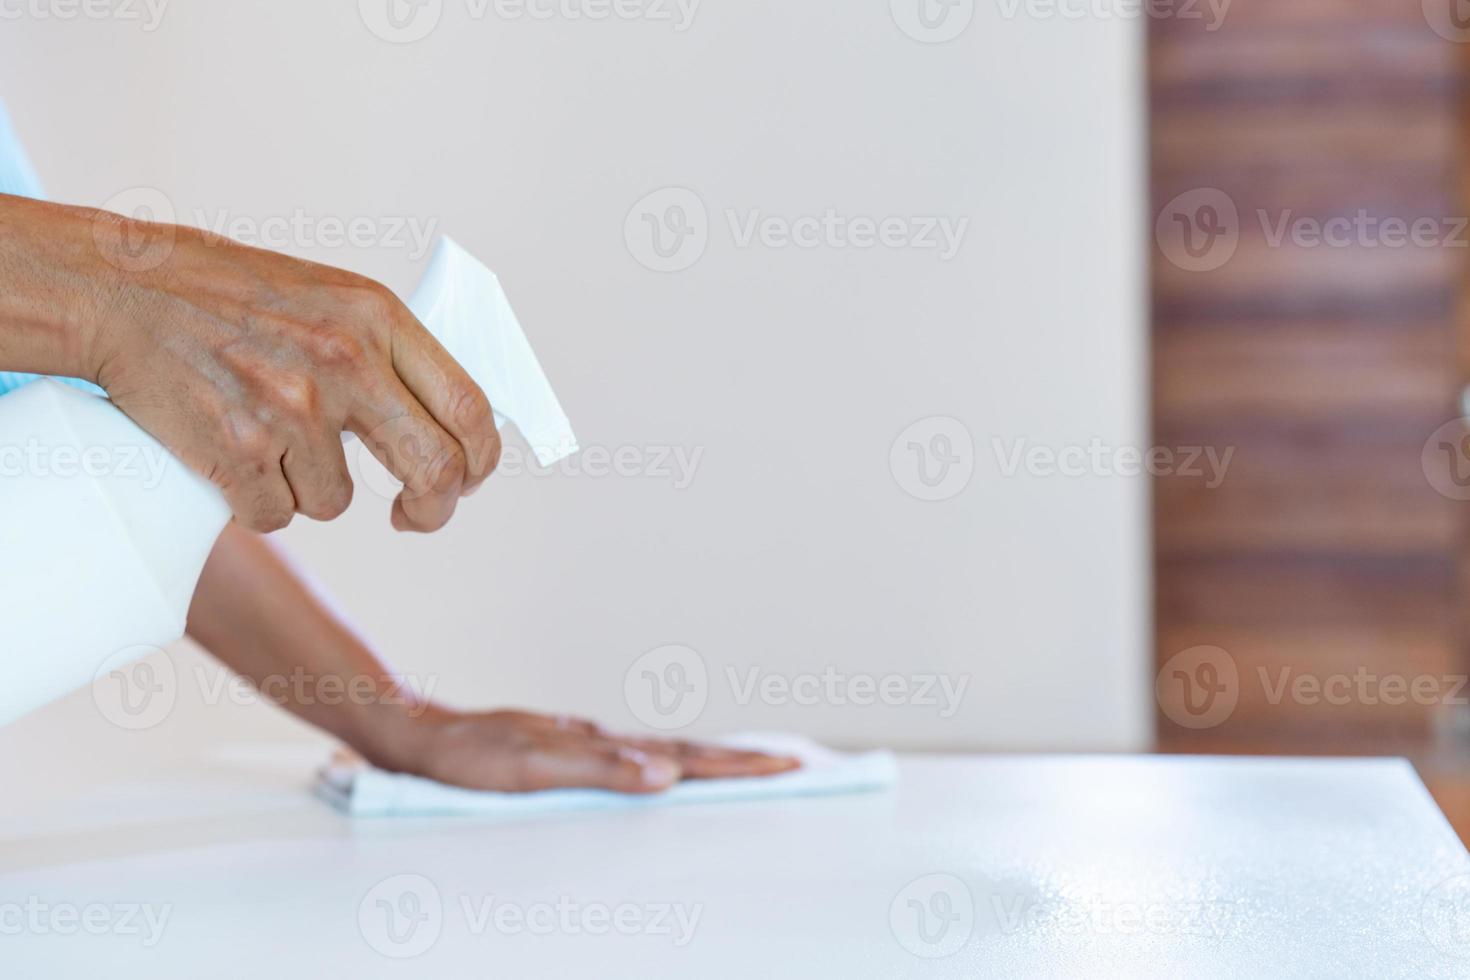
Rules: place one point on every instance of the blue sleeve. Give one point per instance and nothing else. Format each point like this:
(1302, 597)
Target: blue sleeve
(18, 177)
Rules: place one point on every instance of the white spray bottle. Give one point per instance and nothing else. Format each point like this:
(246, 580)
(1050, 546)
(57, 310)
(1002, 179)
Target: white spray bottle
(104, 534)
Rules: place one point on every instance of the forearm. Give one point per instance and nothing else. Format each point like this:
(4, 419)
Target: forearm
(51, 288)
(255, 614)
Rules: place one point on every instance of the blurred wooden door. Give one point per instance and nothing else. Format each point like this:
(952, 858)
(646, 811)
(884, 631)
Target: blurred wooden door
(1309, 263)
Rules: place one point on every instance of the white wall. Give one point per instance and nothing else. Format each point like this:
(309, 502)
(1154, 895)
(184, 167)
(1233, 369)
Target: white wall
(792, 370)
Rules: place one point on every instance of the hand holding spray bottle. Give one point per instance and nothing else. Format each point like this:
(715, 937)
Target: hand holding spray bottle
(114, 531)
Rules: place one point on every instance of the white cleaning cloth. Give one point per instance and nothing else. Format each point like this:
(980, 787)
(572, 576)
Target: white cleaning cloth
(362, 791)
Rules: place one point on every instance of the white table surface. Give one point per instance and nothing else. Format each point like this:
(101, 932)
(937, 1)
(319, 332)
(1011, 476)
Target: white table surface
(1022, 867)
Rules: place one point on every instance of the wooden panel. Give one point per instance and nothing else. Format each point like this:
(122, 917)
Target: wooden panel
(1244, 65)
(1324, 550)
(1317, 371)
(1286, 18)
(1338, 490)
(1308, 590)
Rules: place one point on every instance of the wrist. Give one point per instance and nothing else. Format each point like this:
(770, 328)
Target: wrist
(53, 289)
(397, 734)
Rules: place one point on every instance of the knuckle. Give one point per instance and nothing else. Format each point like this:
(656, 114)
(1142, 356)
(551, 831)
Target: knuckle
(469, 409)
(244, 437)
(268, 517)
(445, 471)
(493, 449)
(296, 396)
(428, 523)
(336, 348)
(368, 301)
(332, 503)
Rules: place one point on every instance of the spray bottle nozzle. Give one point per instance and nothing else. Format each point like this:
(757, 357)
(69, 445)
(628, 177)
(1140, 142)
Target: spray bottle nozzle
(461, 303)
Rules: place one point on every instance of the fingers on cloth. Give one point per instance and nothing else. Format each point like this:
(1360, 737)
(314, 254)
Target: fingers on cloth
(595, 763)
